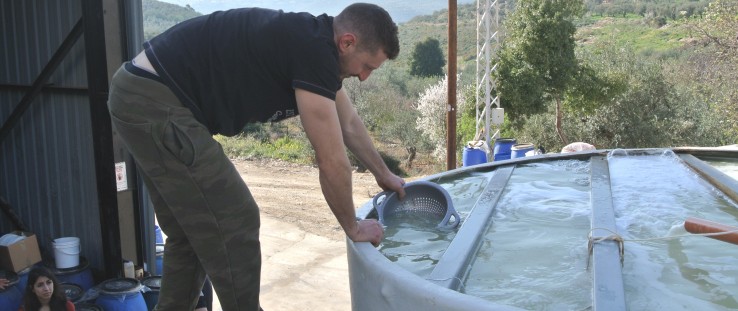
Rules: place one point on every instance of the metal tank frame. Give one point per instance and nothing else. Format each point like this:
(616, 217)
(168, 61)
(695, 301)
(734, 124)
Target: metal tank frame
(378, 284)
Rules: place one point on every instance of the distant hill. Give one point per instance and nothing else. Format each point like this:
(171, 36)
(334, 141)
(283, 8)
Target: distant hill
(159, 16)
(436, 26)
(401, 10)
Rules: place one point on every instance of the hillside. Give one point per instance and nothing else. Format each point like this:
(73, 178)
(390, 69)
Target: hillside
(159, 16)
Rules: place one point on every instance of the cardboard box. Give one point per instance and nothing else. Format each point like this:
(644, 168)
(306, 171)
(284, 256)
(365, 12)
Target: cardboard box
(21, 254)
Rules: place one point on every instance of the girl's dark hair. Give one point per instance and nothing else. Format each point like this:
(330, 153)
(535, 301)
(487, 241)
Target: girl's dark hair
(58, 299)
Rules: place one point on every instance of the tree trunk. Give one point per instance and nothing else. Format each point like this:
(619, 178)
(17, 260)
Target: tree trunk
(559, 116)
(412, 151)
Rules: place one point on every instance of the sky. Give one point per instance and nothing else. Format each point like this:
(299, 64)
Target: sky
(400, 10)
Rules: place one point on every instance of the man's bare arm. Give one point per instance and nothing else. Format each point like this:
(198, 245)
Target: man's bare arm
(321, 123)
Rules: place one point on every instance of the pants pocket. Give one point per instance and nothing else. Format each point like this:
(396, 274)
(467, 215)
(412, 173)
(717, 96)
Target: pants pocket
(140, 141)
(179, 143)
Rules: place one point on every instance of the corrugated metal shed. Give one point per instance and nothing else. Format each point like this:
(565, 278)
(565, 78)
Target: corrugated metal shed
(52, 153)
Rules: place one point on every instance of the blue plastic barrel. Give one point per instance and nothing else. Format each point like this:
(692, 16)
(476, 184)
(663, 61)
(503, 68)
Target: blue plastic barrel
(519, 150)
(23, 278)
(123, 294)
(502, 148)
(159, 237)
(159, 259)
(80, 275)
(473, 156)
(151, 296)
(86, 306)
(12, 296)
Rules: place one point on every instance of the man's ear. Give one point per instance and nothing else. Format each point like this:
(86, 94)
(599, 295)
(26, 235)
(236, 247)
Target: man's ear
(346, 41)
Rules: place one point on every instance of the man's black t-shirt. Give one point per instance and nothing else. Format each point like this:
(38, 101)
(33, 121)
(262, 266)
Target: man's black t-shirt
(242, 65)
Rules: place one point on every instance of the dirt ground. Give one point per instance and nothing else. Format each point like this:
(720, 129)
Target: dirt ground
(291, 193)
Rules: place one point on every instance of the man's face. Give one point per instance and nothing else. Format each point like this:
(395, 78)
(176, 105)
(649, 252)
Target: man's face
(358, 63)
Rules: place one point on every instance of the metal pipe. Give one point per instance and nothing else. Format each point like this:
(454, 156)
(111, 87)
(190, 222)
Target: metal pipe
(451, 113)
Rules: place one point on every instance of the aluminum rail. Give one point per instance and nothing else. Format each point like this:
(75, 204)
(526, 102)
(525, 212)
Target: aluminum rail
(453, 266)
(720, 180)
(607, 278)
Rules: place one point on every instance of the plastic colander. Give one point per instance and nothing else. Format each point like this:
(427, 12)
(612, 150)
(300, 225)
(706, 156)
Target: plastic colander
(423, 201)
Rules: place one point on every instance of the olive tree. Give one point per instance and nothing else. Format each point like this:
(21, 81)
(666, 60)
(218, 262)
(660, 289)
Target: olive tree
(427, 59)
(537, 63)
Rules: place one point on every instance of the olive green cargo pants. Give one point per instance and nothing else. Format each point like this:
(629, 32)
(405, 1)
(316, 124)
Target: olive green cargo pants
(201, 202)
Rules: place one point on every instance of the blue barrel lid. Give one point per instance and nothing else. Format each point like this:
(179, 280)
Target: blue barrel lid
(506, 140)
(11, 276)
(522, 146)
(153, 282)
(26, 270)
(120, 286)
(72, 291)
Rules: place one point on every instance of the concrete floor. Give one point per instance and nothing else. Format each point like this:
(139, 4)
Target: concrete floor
(300, 270)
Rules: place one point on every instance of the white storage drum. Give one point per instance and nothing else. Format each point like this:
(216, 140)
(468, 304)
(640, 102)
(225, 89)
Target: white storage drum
(66, 252)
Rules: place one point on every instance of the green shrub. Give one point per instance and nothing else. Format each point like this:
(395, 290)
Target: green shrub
(284, 148)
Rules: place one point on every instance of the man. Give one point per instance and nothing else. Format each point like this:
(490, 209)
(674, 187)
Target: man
(212, 75)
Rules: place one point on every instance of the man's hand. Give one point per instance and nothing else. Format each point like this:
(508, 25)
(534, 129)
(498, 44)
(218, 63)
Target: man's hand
(3, 283)
(392, 182)
(368, 230)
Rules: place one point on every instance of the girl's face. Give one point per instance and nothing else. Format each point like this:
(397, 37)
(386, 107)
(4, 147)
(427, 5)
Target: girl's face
(43, 288)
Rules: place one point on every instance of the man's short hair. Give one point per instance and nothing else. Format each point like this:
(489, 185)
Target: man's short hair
(373, 25)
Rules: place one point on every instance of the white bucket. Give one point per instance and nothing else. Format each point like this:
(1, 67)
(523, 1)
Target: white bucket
(66, 252)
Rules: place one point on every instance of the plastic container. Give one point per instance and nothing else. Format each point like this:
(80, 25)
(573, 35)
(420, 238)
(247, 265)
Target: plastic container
(23, 278)
(159, 236)
(66, 252)
(152, 295)
(503, 148)
(80, 274)
(519, 150)
(121, 294)
(85, 306)
(129, 270)
(12, 296)
(159, 259)
(473, 156)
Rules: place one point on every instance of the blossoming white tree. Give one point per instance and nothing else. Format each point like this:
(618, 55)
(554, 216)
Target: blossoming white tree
(433, 105)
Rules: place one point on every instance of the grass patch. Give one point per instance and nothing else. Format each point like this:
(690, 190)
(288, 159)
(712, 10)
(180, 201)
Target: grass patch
(645, 39)
(284, 148)
(290, 149)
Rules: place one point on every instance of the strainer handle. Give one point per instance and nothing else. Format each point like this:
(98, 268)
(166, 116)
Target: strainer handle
(446, 223)
(380, 207)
